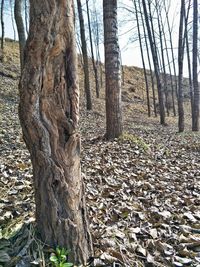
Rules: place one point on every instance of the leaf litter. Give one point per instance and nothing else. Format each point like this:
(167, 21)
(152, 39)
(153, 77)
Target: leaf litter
(142, 190)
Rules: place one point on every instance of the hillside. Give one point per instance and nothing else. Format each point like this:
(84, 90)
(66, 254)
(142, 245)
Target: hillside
(142, 190)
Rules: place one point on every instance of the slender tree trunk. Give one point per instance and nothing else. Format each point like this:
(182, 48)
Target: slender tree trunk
(26, 12)
(92, 52)
(156, 65)
(149, 61)
(2, 28)
(195, 113)
(188, 59)
(162, 57)
(180, 69)
(172, 50)
(20, 30)
(169, 66)
(85, 57)
(12, 19)
(112, 70)
(143, 62)
(49, 111)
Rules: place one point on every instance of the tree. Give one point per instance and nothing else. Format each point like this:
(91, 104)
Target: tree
(49, 112)
(2, 26)
(85, 57)
(20, 29)
(148, 57)
(112, 70)
(155, 62)
(181, 45)
(143, 61)
(92, 52)
(195, 113)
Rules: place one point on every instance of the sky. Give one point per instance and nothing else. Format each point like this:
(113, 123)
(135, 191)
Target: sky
(130, 49)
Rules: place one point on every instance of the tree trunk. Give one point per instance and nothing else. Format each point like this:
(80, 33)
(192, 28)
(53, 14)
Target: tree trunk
(172, 49)
(180, 69)
(156, 65)
(112, 70)
(164, 78)
(85, 57)
(149, 61)
(188, 58)
(12, 19)
(2, 27)
(143, 62)
(195, 113)
(26, 15)
(92, 53)
(169, 66)
(20, 30)
(49, 111)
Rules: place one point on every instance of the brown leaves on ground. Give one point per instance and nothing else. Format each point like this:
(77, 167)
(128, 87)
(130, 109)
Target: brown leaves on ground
(143, 190)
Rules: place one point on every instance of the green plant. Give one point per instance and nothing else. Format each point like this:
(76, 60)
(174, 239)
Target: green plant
(59, 258)
(134, 139)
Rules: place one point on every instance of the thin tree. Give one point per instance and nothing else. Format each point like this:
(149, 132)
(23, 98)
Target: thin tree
(171, 47)
(156, 65)
(12, 19)
(20, 29)
(49, 112)
(85, 57)
(112, 70)
(181, 44)
(196, 98)
(92, 52)
(173, 90)
(143, 61)
(188, 57)
(2, 27)
(148, 57)
(163, 63)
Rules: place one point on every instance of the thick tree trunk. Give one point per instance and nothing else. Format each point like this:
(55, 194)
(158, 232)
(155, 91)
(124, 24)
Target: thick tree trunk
(112, 70)
(20, 29)
(196, 98)
(48, 111)
(85, 57)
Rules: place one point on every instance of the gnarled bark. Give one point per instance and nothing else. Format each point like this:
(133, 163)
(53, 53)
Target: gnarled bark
(48, 111)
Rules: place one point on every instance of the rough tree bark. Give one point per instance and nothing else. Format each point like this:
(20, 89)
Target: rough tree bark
(20, 29)
(112, 70)
(49, 111)
(196, 98)
(85, 57)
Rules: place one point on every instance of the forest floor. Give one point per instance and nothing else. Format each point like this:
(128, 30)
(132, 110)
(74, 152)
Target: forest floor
(142, 189)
